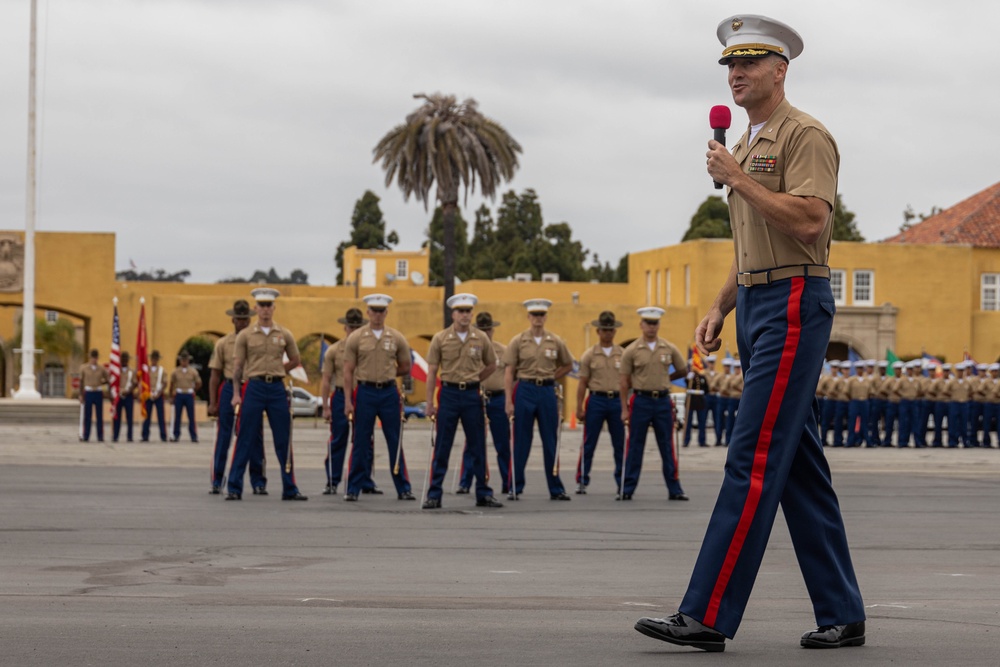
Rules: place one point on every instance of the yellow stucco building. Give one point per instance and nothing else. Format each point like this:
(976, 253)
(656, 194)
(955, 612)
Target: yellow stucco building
(907, 296)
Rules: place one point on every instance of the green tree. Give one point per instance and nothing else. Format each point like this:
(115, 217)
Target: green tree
(450, 145)
(909, 215)
(621, 273)
(435, 236)
(482, 247)
(844, 227)
(367, 230)
(271, 277)
(710, 221)
(56, 340)
(155, 276)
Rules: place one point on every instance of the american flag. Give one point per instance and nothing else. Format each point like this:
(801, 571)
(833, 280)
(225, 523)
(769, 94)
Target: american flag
(115, 363)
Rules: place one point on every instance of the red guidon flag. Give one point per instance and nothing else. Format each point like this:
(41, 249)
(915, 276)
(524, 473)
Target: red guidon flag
(142, 359)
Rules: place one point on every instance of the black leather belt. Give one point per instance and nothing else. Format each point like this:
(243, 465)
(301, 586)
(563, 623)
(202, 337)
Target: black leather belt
(539, 383)
(490, 394)
(377, 385)
(655, 393)
(462, 386)
(606, 394)
(267, 378)
(753, 278)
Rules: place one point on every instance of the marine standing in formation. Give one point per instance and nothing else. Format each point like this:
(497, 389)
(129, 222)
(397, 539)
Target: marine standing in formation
(93, 378)
(375, 356)
(465, 357)
(260, 368)
(126, 400)
(535, 359)
(157, 383)
(598, 398)
(184, 382)
(220, 404)
(646, 371)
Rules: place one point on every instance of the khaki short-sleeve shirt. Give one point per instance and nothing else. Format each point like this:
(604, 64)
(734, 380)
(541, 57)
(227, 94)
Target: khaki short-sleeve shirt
(533, 361)
(650, 369)
(793, 153)
(601, 371)
(333, 363)
(224, 355)
(185, 380)
(859, 388)
(458, 360)
(263, 353)
(495, 382)
(375, 358)
(957, 390)
(93, 376)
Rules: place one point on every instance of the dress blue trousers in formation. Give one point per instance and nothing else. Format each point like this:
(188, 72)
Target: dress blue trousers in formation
(336, 445)
(157, 405)
(658, 412)
(500, 432)
(224, 435)
(857, 423)
(371, 402)
(958, 424)
(712, 401)
(600, 409)
(126, 404)
(938, 410)
(876, 415)
(776, 457)
(93, 413)
(465, 406)
(702, 415)
(184, 403)
(533, 403)
(261, 397)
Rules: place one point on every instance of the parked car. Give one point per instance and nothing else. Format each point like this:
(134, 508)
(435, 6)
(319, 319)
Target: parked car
(305, 404)
(419, 410)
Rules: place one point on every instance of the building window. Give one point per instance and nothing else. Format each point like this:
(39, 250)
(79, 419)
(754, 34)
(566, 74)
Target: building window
(990, 292)
(649, 287)
(666, 280)
(837, 285)
(687, 284)
(402, 269)
(51, 317)
(864, 288)
(659, 293)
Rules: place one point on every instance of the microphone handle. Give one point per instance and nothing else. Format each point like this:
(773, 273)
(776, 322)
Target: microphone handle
(720, 136)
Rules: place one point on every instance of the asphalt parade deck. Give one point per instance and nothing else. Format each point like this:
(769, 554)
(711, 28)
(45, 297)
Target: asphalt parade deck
(115, 554)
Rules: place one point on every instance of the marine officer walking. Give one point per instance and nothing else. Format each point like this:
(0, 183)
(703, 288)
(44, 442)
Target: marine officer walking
(782, 190)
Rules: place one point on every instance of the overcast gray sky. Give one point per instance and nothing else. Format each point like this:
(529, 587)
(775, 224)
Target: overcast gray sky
(223, 136)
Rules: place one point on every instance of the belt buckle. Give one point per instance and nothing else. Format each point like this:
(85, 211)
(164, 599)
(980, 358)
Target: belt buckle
(655, 393)
(379, 385)
(269, 379)
(462, 386)
(609, 394)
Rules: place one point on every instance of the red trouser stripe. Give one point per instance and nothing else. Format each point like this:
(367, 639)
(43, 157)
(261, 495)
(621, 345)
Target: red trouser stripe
(761, 451)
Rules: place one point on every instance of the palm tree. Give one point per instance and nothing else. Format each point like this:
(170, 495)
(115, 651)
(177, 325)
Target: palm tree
(451, 144)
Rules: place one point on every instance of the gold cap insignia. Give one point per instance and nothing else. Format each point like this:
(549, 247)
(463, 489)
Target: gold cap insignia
(737, 24)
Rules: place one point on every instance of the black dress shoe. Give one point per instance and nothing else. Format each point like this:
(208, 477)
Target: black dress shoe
(682, 630)
(488, 501)
(559, 496)
(406, 495)
(330, 490)
(623, 496)
(835, 636)
(351, 497)
(461, 491)
(234, 496)
(581, 489)
(432, 504)
(297, 496)
(259, 491)
(678, 496)
(374, 491)
(216, 490)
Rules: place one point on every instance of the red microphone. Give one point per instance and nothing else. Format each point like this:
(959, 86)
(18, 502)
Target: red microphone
(719, 119)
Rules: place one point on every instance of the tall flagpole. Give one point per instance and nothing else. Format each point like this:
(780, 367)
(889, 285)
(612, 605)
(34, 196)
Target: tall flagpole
(26, 387)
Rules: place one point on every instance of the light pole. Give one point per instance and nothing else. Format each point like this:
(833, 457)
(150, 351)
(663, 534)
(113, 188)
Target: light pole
(26, 385)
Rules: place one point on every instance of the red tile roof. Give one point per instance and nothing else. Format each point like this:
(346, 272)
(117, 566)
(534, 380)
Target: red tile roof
(975, 222)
